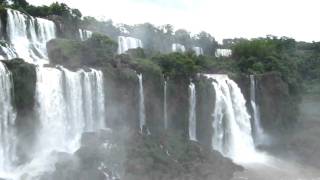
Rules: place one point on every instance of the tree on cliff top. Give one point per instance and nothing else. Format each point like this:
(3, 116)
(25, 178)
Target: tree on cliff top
(268, 54)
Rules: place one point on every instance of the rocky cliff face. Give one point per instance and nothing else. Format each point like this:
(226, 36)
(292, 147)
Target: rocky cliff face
(279, 109)
(132, 156)
(24, 83)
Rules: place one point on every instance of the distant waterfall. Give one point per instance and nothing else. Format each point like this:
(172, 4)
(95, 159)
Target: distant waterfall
(165, 106)
(223, 53)
(84, 34)
(126, 43)
(142, 115)
(178, 48)
(8, 138)
(231, 121)
(260, 135)
(70, 103)
(28, 36)
(198, 50)
(192, 113)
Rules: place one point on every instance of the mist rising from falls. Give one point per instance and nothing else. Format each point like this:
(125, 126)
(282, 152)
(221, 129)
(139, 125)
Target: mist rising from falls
(231, 121)
(126, 43)
(142, 113)
(28, 36)
(8, 137)
(192, 113)
(165, 106)
(84, 34)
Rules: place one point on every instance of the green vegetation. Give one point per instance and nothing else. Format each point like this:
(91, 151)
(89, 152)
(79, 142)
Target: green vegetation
(176, 64)
(58, 9)
(97, 50)
(269, 54)
(24, 78)
(295, 61)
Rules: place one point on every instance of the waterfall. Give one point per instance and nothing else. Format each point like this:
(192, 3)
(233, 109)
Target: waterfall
(231, 121)
(28, 36)
(165, 106)
(52, 112)
(7, 51)
(142, 115)
(84, 34)
(223, 53)
(198, 50)
(67, 103)
(70, 103)
(260, 136)
(192, 113)
(7, 122)
(126, 43)
(178, 48)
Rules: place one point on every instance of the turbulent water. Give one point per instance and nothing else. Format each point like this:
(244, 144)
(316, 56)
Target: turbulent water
(142, 113)
(28, 37)
(7, 122)
(231, 121)
(84, 34)
(198, 50)
(192, 113)
(126, 43)
(178, 48)
(165, 105)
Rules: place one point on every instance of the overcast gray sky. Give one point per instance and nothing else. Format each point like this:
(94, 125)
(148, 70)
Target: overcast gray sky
(222, 18)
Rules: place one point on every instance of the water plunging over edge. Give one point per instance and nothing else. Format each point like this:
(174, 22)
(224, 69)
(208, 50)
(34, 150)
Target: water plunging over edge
(192, 112)
(142, 115)
(231, 122)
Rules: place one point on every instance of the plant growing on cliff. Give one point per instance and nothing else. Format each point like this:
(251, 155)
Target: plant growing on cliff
(268, 54)
(177, 64)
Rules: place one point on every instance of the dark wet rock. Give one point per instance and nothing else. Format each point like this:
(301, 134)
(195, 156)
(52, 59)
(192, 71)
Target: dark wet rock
(24, 80)
(139, 157)
(278, 108)
(173, 158)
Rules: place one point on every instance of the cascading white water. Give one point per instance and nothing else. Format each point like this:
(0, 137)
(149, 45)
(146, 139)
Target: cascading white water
(52, 112)
(70, 103)
(142, 114)
(84, 34)
(260, 136)
(8, 138)
(192, 113)
(93, 94)
(198, 50)
(8, 52)
(28, 36)
(178, 48)
(67, 103)
(126, 43)
(165, 106)
(231, 122)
